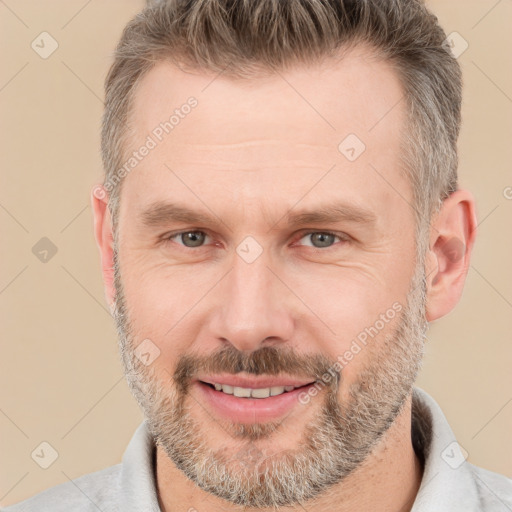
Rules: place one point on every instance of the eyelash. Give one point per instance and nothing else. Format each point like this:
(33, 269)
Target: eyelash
(341, 236)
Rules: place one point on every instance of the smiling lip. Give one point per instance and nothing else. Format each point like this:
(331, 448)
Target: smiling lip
(248, 409)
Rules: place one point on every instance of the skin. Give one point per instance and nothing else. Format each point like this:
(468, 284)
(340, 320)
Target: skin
(251, 152)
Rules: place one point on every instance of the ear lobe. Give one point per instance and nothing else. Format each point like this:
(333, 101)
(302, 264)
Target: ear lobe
(104, 240)
(452, 238)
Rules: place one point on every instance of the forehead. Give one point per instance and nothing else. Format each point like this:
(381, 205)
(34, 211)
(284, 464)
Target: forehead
(351, 91)
(270, 136)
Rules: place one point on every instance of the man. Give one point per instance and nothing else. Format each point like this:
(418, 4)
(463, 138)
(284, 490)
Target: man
(279, 221)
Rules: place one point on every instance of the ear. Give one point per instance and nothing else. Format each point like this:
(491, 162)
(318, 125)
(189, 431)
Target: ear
(452, 236)
(104, 240)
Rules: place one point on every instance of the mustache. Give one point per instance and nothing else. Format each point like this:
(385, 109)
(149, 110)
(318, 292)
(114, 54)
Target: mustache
(264, 361)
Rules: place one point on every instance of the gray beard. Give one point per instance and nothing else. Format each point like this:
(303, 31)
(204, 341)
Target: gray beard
(333, 446)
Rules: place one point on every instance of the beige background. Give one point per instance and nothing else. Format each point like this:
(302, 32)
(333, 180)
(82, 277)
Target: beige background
(60, 379)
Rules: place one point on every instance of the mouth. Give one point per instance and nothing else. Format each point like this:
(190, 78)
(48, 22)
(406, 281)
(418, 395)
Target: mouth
(255, 401)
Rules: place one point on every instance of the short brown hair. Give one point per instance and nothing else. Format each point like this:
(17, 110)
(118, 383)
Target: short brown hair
(247, 38)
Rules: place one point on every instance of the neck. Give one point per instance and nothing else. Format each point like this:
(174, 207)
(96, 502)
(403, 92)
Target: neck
(387, 481)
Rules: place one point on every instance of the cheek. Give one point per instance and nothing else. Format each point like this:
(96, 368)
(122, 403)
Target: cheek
(163, 303)
(346, 302)
(150, 282)
(356, 317)
(364, 357)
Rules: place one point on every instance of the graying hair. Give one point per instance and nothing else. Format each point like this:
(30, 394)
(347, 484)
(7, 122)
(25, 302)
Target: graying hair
(249, 38)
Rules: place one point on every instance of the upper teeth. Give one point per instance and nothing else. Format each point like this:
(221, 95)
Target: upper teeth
(252, 393)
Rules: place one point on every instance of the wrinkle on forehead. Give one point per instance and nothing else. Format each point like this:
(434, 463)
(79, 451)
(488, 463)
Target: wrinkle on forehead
(256, 155)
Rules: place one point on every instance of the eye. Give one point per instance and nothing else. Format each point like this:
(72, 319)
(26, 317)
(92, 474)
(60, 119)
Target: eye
(321, 239)
(189, 238)
(316, 239)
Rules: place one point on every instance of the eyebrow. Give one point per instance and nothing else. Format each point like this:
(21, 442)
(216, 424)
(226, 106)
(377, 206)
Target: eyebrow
(332, 213)
(162, 213)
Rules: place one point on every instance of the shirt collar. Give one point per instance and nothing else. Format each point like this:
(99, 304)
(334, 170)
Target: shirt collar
(447, 482)
(138, 478)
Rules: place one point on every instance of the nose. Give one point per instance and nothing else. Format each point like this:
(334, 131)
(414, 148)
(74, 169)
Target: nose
(254, 308)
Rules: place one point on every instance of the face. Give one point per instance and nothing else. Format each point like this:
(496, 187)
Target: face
(253, 253)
